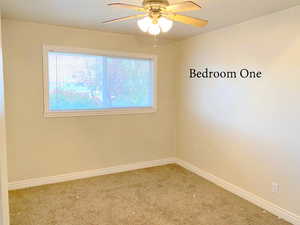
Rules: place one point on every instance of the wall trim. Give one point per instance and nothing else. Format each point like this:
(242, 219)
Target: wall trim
(86, 174)
(268, 206)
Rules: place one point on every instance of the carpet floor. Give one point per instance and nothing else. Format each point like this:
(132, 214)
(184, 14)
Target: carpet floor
(164, 195)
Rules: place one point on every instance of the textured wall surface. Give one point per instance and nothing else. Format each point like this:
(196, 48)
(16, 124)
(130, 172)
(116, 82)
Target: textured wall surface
(39, 146)
(3, 167)
(245, 131)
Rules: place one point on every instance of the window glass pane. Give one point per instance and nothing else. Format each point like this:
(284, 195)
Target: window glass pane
(129, 81)
(89, 82)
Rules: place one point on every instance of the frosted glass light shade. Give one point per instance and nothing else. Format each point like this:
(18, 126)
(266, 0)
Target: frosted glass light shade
(154, 29)
(165, 24)
(144, 23)
(147, 25)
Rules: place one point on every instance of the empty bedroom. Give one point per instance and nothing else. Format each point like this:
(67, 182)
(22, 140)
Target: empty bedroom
(149, 112)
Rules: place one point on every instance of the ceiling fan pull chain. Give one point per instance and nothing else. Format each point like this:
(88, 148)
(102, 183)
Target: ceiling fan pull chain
(155, 45)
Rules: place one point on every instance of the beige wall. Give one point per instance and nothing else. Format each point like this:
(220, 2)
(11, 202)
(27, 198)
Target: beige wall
(245, 131)
(4, 220)
(39, 147)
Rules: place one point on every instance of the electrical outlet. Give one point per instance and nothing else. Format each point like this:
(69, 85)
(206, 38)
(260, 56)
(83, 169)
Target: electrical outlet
(275, 187)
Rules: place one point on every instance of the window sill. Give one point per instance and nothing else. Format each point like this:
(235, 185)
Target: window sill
(118, 111)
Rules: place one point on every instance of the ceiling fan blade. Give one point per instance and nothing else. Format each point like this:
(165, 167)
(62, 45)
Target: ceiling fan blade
(187, 20)
(128, 6)
(183, 6)
(124, 18)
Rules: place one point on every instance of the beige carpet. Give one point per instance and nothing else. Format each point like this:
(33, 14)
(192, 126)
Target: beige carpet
(166, 195)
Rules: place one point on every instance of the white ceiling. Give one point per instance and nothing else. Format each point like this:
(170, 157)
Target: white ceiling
(90, 13)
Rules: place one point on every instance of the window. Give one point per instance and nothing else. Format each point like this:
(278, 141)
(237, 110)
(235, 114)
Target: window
(88, 82)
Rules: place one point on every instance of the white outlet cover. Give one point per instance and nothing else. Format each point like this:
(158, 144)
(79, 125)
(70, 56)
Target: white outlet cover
(275, 187)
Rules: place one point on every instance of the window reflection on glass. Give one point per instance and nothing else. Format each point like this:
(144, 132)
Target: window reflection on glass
(89, 82)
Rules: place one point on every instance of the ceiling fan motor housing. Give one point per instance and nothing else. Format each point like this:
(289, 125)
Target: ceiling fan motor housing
(155, 4)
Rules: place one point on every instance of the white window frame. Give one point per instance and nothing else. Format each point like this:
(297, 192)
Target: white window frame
(113, 111)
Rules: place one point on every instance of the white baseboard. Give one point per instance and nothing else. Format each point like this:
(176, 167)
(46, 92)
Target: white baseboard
(271, 207)
(86, 174)
(268, 206)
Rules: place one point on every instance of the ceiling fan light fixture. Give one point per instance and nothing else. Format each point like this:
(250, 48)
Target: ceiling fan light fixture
(154, 29)
(165, 24)
(158, 15)
(144, 23)
(147, 24)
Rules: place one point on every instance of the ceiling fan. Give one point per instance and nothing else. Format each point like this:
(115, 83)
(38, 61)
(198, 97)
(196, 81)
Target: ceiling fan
(159, 15)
